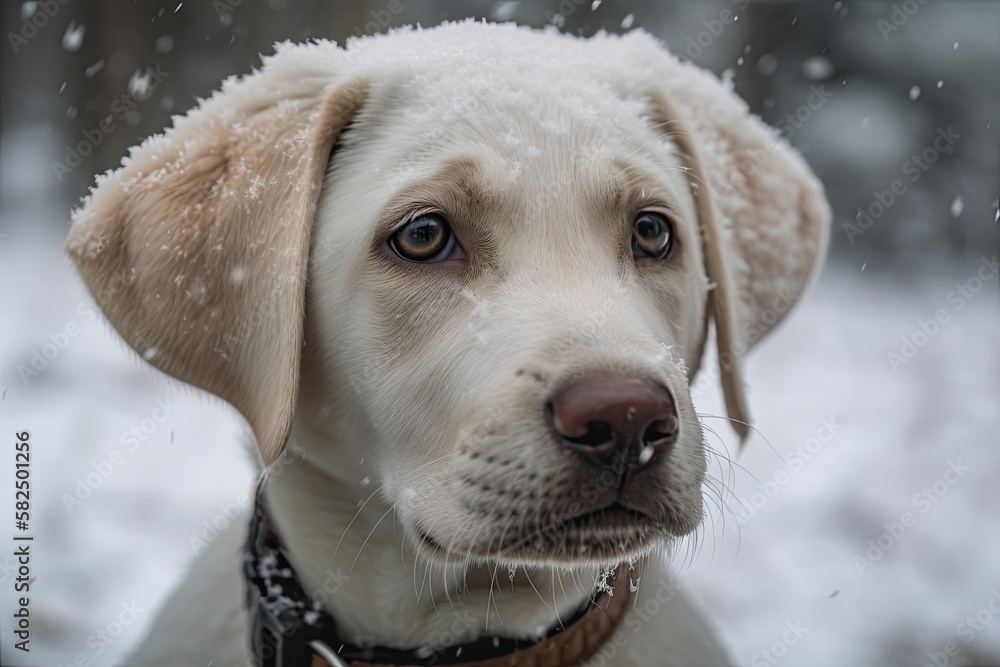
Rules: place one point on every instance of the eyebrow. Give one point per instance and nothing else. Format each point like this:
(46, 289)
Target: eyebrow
(634, 186)
(452, 188)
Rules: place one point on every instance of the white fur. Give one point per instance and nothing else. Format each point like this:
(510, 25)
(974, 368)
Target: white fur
(419, 406)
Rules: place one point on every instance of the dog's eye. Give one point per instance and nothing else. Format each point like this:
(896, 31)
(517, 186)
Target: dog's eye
(426, 238)
(652, 235)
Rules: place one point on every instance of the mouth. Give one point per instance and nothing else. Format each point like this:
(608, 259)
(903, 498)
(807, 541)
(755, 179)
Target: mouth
(604, 535)
(608, 534)
(615, 517)
(431, 543)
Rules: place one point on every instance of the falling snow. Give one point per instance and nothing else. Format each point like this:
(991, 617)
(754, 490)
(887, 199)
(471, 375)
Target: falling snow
(767, 64)
(73, 37)
(92, 71)
(646, 455)
(504, 11)
(882, 309)
(138, 84)
(164, 44)
(957, 205)
(818, 68)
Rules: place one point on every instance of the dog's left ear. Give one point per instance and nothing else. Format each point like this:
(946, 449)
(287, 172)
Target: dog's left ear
(763, 215)
(196, 250)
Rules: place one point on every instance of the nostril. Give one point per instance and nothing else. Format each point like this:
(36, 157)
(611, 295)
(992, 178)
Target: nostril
(597, 434)
(660, 431)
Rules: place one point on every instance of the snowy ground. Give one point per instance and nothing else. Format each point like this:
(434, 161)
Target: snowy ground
(872, 439)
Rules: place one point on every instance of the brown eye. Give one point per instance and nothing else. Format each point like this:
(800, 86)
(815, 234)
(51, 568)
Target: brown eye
(652, 235)
(426, 238)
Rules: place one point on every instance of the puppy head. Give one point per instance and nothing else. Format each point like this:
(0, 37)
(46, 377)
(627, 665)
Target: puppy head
(518, 245)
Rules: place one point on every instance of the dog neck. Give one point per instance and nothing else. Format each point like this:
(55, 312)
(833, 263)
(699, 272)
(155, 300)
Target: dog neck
(352, 558)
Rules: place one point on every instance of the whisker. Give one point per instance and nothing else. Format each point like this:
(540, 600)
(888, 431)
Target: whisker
(756, 430)
(370, 533)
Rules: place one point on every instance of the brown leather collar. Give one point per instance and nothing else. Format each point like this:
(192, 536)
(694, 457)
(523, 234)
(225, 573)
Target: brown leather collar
(288, 629)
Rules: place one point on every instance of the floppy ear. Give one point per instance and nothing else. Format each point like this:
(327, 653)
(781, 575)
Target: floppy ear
(764, 217)
(196, 249)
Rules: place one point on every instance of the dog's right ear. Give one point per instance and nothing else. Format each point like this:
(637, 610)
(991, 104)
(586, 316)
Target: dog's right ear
(763, 214)
(196, 249)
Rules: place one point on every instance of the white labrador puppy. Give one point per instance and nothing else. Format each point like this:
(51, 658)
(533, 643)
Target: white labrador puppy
(458, 281)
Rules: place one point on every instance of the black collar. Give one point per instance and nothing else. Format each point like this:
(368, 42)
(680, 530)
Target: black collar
(289, 629)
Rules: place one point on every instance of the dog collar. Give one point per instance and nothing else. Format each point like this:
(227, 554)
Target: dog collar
(289, 629)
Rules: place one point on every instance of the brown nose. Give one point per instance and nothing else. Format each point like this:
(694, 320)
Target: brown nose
(618, 422)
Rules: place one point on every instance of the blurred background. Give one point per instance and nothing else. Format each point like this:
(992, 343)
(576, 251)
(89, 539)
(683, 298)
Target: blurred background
(863, 512)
